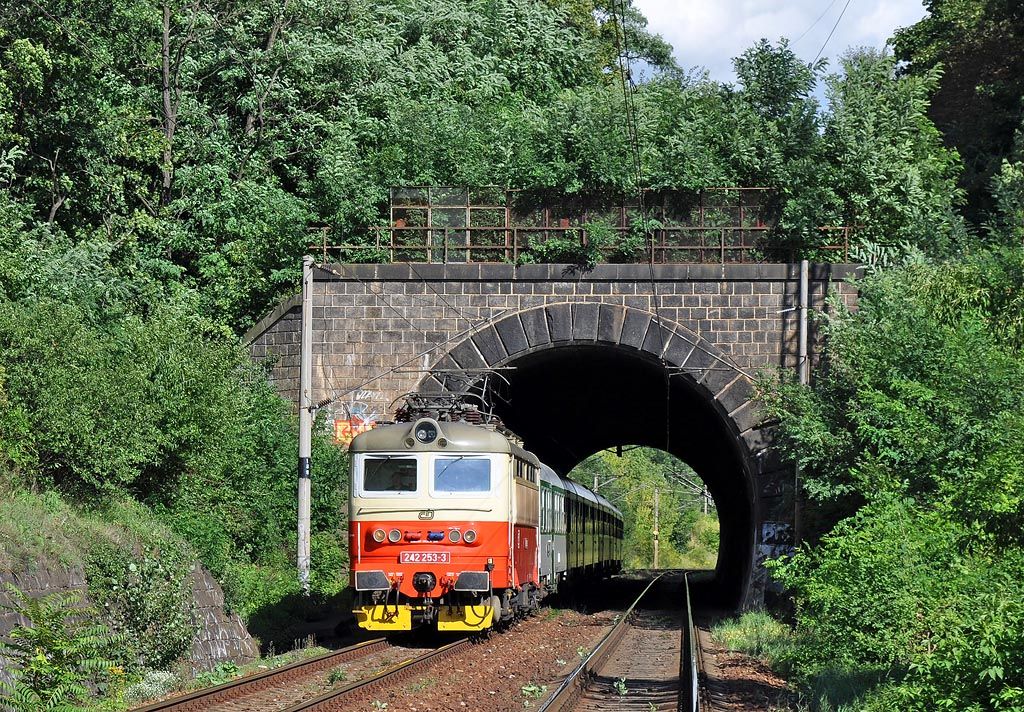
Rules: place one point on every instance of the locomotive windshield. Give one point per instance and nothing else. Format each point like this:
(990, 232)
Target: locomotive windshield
(389, 474)
(462, 474)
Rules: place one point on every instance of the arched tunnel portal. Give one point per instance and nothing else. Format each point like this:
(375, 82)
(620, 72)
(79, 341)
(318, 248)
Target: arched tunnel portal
(641, 381)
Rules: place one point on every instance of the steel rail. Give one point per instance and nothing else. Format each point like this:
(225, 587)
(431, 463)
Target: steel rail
(202, 699)
(691, 664)
(336, 699)
(573, 686)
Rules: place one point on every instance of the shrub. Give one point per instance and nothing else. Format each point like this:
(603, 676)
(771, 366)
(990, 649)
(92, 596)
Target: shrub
(254, 587)
(57, 655)
(137, 570)
(148, 598)
(571, 247)
(975, 653)
(329, 569)
(912, 435)
(865, 595)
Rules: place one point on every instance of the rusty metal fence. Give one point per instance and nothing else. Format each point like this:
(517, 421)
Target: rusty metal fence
(450, 225)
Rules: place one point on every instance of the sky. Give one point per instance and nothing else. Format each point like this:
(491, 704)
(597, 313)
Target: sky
(709, 33)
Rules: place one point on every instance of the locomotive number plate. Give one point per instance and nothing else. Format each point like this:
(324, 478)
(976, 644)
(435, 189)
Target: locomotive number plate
(425, 557)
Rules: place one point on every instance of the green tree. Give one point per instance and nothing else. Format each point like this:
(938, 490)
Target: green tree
(895, 181)
(686, 537)
(979, 47)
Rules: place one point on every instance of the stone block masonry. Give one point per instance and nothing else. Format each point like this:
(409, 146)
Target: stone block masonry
(377, 328)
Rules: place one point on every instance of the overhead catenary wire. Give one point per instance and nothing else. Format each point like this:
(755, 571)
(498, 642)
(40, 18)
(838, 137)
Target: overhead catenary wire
(633, 135)
(815, 23)
(442, 297)
(831, 32)
(488, 320)
(328, 374)
(335, 395)
(382, 294)
(458, 335)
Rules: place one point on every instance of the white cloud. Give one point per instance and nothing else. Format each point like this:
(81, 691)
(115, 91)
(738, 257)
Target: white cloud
(709, 33)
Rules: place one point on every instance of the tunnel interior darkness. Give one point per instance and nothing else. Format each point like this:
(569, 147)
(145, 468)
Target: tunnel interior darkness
(568, 402)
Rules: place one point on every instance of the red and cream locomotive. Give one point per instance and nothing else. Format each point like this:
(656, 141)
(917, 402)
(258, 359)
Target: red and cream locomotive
(456, 526)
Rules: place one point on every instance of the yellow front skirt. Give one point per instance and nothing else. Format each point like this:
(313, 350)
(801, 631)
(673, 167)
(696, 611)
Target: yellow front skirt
(449, 618)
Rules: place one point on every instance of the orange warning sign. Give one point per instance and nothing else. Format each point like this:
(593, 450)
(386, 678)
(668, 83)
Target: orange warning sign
(345, 429)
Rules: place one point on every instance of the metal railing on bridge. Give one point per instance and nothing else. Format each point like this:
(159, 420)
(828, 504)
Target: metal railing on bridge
(715, 226)
(521, 244)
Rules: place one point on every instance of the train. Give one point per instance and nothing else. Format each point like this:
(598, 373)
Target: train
(454, 525)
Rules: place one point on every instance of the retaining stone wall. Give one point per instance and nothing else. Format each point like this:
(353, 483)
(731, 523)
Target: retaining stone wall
(221, 636)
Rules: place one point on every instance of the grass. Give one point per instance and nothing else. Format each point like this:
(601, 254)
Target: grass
(552, 613)
(37, 530)
(698, 550)
(829, 690)
(702, 548)
(172, 684)
(423, 684)
(756, 634)
(44, 531)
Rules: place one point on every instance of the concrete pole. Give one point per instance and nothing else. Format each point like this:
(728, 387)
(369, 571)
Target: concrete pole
(656, 495)
(803, 374)
(305, 421)
(803, 363)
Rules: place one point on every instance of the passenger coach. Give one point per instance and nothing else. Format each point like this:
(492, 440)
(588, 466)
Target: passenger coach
(456, 525)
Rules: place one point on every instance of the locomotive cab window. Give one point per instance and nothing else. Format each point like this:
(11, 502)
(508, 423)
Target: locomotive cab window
(389, 474)
(462, 474)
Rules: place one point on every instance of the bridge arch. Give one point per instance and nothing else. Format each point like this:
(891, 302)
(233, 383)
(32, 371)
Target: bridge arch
(587, 376)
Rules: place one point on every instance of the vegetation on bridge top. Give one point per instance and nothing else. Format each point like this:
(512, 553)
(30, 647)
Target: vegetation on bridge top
(194, 149)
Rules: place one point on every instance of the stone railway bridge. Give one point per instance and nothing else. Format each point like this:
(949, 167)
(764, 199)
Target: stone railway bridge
(662, 356)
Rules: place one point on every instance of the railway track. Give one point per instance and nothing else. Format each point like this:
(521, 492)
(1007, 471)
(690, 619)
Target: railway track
(281, 689)
(647, 661)
(342, 697)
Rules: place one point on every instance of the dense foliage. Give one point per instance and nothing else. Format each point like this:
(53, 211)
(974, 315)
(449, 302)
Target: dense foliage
(197, 143)
(58, 652)
(978, 47)
(688, 536)
(915, 430)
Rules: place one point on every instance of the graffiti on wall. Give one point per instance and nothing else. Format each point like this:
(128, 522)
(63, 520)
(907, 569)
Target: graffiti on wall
(355, 416)
(776, 542)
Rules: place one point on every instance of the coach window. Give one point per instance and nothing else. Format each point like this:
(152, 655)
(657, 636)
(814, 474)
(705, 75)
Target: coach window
(389, 474)
(462, 474)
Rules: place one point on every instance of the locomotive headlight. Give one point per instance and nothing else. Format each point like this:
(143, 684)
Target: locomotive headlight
(426, 432)
(455, 535)
(469, 536)
(394, 536)
(379, 536)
